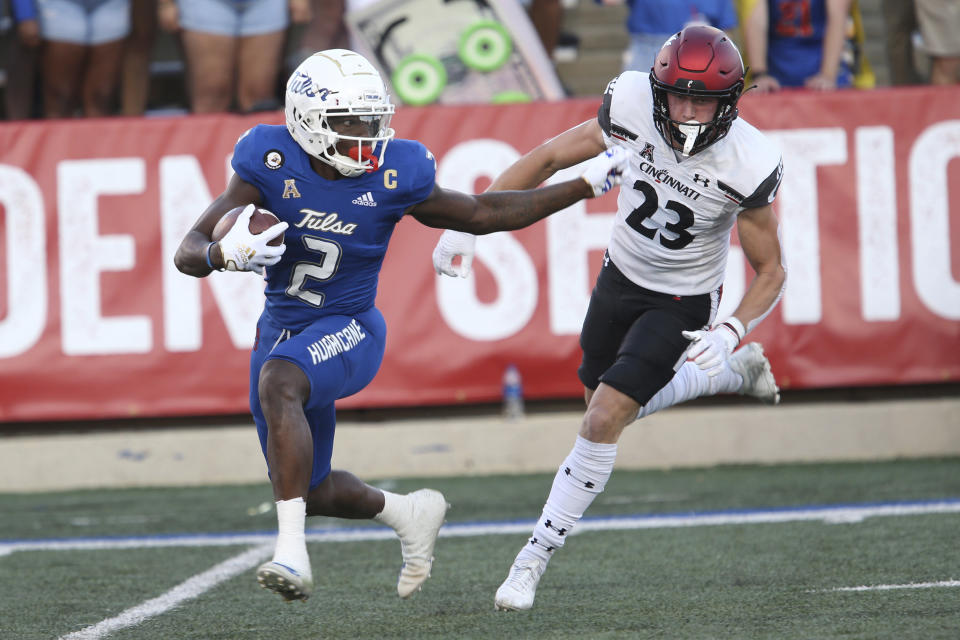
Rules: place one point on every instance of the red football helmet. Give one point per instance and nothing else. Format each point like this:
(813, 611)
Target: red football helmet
(698, 61)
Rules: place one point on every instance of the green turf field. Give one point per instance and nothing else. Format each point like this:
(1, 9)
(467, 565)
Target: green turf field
(170, 563)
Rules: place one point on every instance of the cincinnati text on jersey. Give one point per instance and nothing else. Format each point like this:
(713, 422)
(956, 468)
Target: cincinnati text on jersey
(663, 175)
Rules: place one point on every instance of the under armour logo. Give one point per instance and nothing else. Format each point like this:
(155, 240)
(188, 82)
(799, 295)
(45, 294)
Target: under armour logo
(698, 178)
(586, 483)
(534, 541)
(549, 525)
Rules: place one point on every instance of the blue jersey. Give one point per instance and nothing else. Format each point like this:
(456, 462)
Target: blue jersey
(795, 42)
(339, 229)
(666, 17)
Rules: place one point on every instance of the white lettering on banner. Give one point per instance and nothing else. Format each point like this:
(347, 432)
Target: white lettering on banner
(803, 151)
(930, 218)
(513, 270)
(571, 235)
(239, 297)
(877, 224)
(84, 254)
(26, 261)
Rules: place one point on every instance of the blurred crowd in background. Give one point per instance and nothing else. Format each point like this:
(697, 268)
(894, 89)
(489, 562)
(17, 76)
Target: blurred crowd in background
(75, 58)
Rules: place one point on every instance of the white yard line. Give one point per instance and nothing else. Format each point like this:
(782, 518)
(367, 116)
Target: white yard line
(184, 591)
(205, 581)
(890, 587)
(827, 514)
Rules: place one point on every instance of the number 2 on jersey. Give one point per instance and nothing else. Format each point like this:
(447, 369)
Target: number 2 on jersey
(649, 207)
(326, 265)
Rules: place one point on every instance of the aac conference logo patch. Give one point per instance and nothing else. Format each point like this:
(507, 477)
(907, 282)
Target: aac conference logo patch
(273, 159)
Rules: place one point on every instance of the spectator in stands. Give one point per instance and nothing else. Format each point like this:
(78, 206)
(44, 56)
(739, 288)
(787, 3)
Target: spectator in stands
(233, 49)
(793, 44)
(900, 19)
(651, 22)
(547, 19)
(135, 72)
(82, 50)
(21, 53)
(326, 28)
(939, 22)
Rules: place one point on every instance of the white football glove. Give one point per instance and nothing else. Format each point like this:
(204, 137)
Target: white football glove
(710, 349)
(604, 171)
(245, 251)
(452, 244)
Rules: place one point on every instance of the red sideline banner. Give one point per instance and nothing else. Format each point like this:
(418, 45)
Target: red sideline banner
(96, 322)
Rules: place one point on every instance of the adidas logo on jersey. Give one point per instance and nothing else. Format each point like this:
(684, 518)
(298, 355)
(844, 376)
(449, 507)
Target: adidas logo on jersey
(365, 200)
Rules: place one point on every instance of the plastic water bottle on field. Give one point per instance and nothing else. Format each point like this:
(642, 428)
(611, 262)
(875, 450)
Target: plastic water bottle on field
(512, 393)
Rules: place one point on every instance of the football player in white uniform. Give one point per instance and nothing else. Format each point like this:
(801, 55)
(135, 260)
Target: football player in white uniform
(695, 170)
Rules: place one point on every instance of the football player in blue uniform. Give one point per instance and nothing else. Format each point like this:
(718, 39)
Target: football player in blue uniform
(339, 183)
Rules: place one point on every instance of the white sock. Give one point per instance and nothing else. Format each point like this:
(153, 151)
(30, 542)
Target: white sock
(291, 547)
(581, 477)
(692, 382)
(396, 511)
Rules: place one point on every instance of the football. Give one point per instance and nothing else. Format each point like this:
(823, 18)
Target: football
(259, 221)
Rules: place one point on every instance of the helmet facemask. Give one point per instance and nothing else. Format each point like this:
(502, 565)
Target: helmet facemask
(693, 137)
(317, 133)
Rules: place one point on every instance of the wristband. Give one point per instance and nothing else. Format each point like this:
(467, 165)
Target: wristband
(734, 324)
(758, 74)
(206, 254)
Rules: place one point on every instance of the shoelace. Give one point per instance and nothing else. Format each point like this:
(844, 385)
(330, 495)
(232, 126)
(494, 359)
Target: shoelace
(523, 576)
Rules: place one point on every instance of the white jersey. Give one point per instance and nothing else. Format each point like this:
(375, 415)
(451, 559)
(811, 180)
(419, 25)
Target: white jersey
(674, 217)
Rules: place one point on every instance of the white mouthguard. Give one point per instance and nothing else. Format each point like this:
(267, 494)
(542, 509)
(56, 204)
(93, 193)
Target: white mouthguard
(691, 130)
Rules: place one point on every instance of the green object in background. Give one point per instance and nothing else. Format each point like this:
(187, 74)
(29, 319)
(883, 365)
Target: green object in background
(485, 46)
(511, 96)
(419, 79)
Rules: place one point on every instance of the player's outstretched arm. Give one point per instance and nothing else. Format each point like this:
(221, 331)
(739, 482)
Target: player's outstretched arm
(508, 210)
(571, 147)
(191, 256)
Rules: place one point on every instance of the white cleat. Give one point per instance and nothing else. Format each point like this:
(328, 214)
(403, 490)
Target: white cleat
(284, 580)
(428, 509)
(754, 368)
(519, 589)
